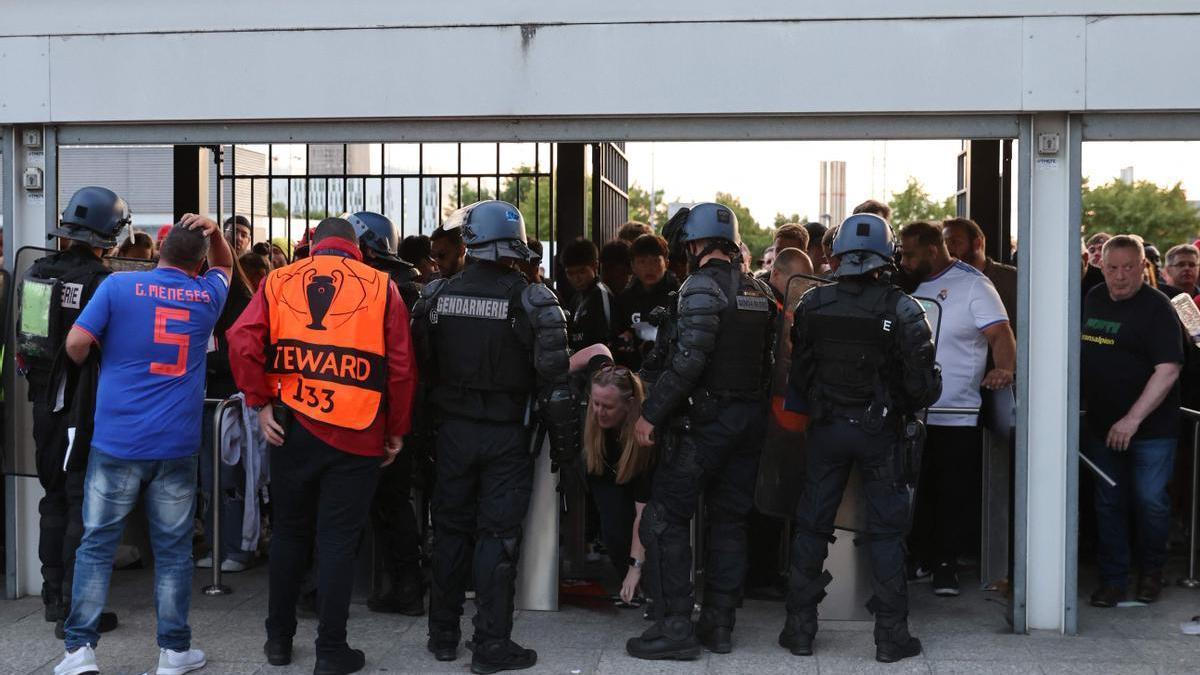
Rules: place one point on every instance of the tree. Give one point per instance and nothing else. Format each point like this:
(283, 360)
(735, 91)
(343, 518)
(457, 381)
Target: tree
(519, 191)
(1159, 215)
(757, 238)
(913, 203)
(639, 206)
(781, 219)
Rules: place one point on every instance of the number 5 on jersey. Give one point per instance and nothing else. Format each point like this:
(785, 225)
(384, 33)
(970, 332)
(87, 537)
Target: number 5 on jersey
(163, 337)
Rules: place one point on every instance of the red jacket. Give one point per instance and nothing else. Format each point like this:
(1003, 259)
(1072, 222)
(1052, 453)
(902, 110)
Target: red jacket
(248, 339)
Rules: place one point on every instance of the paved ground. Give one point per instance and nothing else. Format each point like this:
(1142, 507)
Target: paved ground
(963, 635)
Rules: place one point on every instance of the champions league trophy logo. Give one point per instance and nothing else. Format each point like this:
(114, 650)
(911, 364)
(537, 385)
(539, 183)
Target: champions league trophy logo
(320, 291)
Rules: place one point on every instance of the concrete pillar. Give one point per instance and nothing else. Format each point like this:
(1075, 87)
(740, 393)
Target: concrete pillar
(1048, 348)
(28, 215)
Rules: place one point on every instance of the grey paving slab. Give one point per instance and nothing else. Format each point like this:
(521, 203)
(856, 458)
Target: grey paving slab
(1104, 650)
(837, 665)
(613, 662)
(780, 664)
(983, 668)
(1007, 648)
(966, 635)
(1096, 668)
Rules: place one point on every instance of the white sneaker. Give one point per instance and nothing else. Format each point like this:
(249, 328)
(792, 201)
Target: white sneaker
(78, 662)
(171, 662)
(230, 565)
(205, 562)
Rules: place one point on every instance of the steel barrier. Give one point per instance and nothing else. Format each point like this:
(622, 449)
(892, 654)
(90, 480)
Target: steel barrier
(216, 587)
(1190, 581)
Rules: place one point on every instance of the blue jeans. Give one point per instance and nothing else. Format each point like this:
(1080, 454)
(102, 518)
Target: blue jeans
(1141, 473)
(113, 487)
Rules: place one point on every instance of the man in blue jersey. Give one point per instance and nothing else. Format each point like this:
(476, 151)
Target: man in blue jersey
(152, 330)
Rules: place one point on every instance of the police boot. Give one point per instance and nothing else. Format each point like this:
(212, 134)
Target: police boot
(669, 638)
(892, 642)
(406, 596)
(798, 633)
(494, 656)
(714, 628)
(443, 642)
(53, 607)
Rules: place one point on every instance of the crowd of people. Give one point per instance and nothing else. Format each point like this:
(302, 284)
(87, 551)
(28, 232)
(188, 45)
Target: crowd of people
(655, 369)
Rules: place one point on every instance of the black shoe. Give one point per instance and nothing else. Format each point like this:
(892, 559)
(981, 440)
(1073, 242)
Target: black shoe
(672, 638)
(797, 635)
(279, 652)
(1149, 588)
(716, 639)
(108, 623)
(945, 581)
(891, 652)
(443, 644)
(340, 663)
(494, 656)
(53, 607)
(1108, 596)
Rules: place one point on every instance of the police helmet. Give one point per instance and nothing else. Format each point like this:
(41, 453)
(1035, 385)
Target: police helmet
(492, 230)
(706, 220)
(376, 232)
(864, 242)
(95, 216)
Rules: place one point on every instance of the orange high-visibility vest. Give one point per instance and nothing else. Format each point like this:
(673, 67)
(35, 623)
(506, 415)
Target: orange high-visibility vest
(327, 359)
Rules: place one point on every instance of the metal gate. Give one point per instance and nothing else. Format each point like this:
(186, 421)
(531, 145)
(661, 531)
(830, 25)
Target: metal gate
(610, 190)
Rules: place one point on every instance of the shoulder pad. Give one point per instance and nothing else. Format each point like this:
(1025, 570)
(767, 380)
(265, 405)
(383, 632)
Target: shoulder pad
(433, 288)
(701, 294)
(762, 286)
(538, 295)
(908, 309)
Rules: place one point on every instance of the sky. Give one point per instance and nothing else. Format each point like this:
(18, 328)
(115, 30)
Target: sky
(782, 177)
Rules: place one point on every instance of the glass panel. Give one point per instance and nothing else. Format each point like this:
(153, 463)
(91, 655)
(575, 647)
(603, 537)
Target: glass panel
(478, 158)
(440, 158)
(401, 158)
(289, 159)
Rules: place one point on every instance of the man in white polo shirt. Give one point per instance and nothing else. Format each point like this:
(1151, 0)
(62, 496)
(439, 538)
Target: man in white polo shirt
(973, 321)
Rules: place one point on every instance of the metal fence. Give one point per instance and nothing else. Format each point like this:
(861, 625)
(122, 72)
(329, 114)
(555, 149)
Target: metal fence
(286, 189)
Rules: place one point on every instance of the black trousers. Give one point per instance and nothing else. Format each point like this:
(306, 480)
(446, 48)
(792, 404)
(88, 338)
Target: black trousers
(946, 515)
(833, 447)
(316, 490)
(484, 481)
(61, 508)
(393, 520)
(616, 510)
(718, 458)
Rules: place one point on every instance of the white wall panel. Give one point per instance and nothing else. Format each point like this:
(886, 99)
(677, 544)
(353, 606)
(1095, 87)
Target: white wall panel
(78, 17)
(1053, 63)
(861, 67)
(24, 79)
(1143, 63)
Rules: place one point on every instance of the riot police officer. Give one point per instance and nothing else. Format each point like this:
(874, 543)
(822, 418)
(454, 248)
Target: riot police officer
(90, 225)
(493, 353)
(379, 241)
(392, 517)
(863, 361)
(709, 374)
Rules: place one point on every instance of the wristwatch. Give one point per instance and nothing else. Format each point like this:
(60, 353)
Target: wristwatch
(635, 563)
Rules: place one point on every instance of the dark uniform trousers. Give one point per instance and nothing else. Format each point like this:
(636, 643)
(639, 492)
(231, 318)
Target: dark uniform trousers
(833, 446)
(720, 458)
(394, 522)
(484, 481)
(61, 508)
